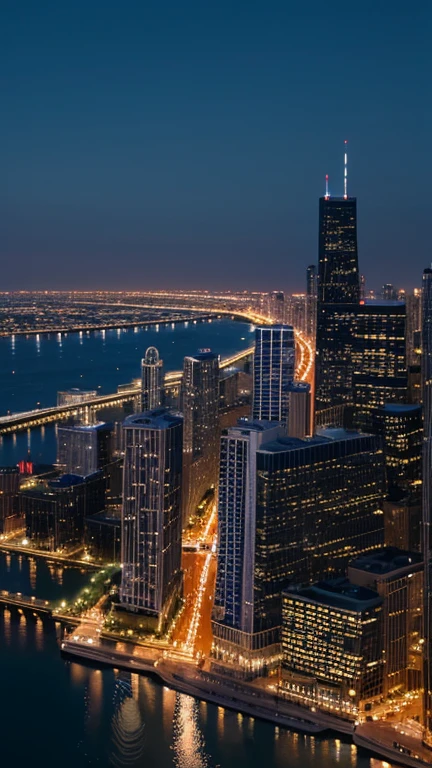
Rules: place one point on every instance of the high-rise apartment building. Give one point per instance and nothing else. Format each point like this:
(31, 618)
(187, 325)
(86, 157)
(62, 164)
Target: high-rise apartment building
(151, 516)
(332, 647)
(151, 380)
(244, 630)
(200, 407)
(82, 449)
(427, 490)
(274, 368)
(290, 511)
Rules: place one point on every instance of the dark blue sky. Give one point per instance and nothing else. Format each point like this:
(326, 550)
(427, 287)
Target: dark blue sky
(161, 143)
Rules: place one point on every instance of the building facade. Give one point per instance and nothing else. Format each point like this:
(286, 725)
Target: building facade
(397, 577)
(332, 655)
(151, 516)
(82, 449)
(243, 638)
(200, 407)
(274, 369)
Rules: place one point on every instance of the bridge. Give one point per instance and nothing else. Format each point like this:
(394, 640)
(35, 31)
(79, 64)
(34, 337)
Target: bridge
(17, 422)
(37, 605)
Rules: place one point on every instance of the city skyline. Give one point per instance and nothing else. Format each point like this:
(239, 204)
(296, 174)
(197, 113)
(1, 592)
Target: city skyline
(122, 156)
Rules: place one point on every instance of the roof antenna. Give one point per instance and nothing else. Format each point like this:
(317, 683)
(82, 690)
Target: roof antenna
(346, 170)
(327, 188)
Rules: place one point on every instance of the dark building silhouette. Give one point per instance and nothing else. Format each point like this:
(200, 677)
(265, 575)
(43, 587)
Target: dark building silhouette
(200, 407)
(338, 293)
(54, 510)
(9, 498)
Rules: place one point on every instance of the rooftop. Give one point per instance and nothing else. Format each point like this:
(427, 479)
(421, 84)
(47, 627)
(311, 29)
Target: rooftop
(322, 436)
(339, 593)
(159, 418)
(387, 560)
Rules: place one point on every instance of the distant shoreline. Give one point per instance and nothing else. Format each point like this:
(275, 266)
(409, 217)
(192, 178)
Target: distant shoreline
(129, 324)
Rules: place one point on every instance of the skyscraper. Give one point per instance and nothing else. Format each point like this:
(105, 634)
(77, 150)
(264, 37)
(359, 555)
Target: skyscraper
(362, 357)
(338, 293)
(338, 271)
(151, 380)
(151, 516)
(200, 406)
(236, 627)
(274, 368)
(378, 359)
(290, 511)
(427, 490)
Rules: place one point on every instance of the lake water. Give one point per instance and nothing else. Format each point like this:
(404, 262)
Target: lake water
(35, 369)
(56, 712)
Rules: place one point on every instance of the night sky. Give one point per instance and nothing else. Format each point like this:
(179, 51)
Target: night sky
(174, 144)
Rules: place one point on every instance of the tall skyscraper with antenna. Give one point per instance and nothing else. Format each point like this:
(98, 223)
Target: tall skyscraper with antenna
(338, 285)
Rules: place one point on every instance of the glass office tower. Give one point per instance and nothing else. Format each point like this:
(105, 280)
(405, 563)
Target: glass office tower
(338, 272)
(274, 369)
(151, 516)
(290, 511)
(151, 380)
(338, 285)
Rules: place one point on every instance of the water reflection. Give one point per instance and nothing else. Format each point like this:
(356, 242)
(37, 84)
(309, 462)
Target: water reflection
(127, 725)
(188, 742)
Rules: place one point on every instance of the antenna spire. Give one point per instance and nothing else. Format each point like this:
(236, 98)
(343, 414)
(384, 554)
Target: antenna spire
(327, 188)
(346, 170)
